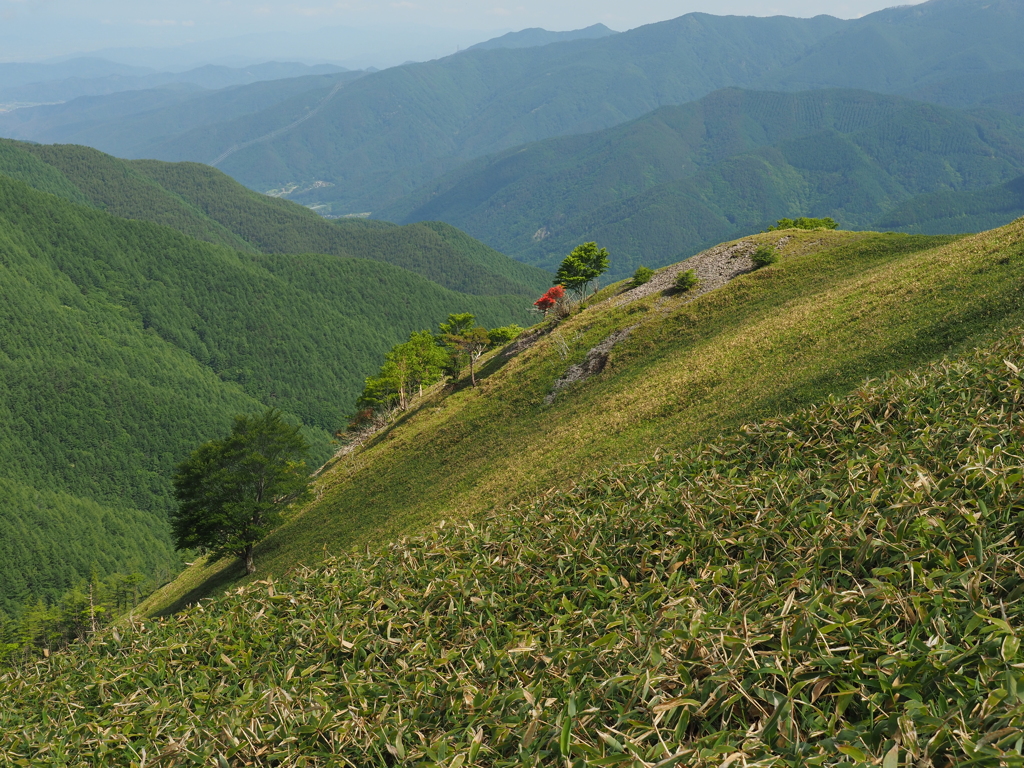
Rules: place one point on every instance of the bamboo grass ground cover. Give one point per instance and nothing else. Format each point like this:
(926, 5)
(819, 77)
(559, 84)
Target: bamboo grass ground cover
(835, 588)
(838, 308)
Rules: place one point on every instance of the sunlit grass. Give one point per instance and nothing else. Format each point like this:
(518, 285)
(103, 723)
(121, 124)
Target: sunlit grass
(839, 307)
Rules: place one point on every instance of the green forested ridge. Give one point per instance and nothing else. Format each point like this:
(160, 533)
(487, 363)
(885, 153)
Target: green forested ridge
(835, 587)
(24, 166)
(948, 212)
(125, 344)
(684, 178)
(837, 307)
(53, 541)
(114, 186)
(206, 204)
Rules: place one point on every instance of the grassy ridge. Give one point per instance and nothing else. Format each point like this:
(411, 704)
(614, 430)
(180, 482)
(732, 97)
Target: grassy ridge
(834, 588)
(839, 307)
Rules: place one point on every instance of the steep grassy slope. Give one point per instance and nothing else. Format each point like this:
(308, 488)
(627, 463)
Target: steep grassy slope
(204, 203)
(839, 587)
(124, 344)
(839, 307)
(683, 178)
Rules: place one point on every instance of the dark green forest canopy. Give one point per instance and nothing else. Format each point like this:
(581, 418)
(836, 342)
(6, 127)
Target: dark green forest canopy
(124, 344)
(203, 203)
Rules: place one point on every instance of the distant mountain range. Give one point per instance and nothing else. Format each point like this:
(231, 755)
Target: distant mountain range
(679, 179)
(535, 36)
(45, 83)
(394, 131)
(455, 139)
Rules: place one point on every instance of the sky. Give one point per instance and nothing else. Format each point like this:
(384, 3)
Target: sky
(36, 30)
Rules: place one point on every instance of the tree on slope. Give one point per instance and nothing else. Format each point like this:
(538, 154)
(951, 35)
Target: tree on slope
(580, 268)
(466, 339)
(231, 491)
(407, 367)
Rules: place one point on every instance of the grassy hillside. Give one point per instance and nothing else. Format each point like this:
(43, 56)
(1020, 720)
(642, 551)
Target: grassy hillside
(683, 178)
(125, 344)
(205, 204)
(837, 587)
(839, 307)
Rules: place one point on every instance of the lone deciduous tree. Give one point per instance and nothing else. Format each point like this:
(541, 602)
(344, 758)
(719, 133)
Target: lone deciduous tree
(581, 267)
(231, 491)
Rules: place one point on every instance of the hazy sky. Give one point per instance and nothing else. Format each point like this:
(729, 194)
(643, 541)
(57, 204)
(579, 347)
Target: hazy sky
(34, 29)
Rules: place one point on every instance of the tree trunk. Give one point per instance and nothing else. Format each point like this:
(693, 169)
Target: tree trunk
(250, 566)
(472, 376)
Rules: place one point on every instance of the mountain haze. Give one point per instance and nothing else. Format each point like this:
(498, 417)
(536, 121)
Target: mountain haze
(136, 123)
(65, 87)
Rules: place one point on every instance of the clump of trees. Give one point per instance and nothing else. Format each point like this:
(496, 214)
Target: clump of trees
(425, 359)
(686, 280)
(42, 627)
(802, 223)
(764, 256)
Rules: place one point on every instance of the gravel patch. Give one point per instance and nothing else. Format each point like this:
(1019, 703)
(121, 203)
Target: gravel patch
(596, 360)
(715, 267)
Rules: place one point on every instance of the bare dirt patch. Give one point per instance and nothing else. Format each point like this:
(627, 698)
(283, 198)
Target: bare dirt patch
(596, 360)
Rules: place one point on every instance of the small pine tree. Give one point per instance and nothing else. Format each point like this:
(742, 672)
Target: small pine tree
(641, 276)
(764, 256)
(687, 280)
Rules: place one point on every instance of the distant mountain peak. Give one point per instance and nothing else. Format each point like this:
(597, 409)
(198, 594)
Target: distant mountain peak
(536, 36)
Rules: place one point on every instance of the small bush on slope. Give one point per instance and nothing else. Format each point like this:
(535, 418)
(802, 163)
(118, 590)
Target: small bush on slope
(831, 588)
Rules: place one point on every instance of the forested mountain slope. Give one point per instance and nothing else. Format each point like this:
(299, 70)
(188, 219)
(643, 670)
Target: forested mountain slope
(838, 307)
(968, 211)
(683, 178)
(834, 586)
(204, 203)
(125, 344)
